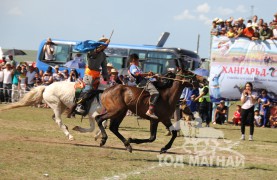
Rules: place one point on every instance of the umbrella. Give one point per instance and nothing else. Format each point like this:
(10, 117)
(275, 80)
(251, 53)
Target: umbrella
(14, 52)
(201, 72)
(75, 64)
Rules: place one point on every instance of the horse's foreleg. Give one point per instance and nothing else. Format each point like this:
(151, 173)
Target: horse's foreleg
(114, 125)
(85, 130)
(153, 133)
(169, 125)
(99, 119)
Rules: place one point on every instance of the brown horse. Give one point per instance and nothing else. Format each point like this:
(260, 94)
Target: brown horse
(118, 99)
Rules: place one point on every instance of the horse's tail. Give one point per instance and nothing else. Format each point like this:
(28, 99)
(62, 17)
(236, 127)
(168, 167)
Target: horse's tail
(31, 98)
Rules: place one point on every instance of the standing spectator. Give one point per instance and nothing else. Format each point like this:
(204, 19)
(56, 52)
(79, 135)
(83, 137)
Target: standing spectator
(247, 110)
(12, 61)
(22, 80)
(7, 82)
(274, 22)
(257, 118)
(274, 33)
(228, 24)
(214, 30)
(114, 79)
(264, 102)
(220, 113)
(48, 50)
(255, 20)
(1, 84)
(273, 116)
(240, 24)
(204, 104)
(260, 24)
(248, 32)
(220, 26)
(265, 32)
(16, 84)
(30, 77)
(237, 117)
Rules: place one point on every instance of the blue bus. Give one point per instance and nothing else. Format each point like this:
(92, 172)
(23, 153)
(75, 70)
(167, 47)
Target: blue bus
(152, 58)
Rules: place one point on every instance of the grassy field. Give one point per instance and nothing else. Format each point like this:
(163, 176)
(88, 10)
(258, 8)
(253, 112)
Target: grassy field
(30, 57)
(33, 147)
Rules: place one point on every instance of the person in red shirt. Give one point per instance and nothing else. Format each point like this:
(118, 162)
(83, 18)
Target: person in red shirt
(248, 32)
(237, 118)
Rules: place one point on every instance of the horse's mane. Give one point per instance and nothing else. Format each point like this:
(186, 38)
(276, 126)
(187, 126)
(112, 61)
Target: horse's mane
(164, 83)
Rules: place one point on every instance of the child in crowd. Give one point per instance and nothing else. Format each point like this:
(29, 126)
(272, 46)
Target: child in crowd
(237, 118)
(231, 33)
(257, 118)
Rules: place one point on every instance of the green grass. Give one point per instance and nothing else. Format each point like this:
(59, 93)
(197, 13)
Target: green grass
(32, 145)
(30, 57)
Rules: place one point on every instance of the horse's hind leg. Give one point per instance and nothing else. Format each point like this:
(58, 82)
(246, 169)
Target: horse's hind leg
(58, 107)
(153, 133)
(99, 119)
(168, 125)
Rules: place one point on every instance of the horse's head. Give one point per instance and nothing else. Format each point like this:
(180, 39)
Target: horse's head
(191, 78)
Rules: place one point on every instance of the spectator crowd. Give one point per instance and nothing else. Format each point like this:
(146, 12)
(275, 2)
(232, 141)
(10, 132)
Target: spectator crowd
(253, 29)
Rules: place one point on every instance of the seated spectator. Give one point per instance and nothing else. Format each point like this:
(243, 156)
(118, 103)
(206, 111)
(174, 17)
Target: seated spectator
(220, 113)
(257, 118)
(38, 80)
(274, 33)
(265, 32)
(65, 74)
(273, 116)
(231, 33)
(47, 78)
(57, 75)
(214, 30)
(237, 117)
(73, 76)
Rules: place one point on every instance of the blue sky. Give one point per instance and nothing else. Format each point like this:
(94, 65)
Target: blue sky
(24, 23)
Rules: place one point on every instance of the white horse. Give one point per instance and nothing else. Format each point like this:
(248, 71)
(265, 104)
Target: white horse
(59, 96)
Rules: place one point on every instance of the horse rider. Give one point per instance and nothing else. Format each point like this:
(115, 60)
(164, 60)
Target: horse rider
(96, 60)
(139, 76)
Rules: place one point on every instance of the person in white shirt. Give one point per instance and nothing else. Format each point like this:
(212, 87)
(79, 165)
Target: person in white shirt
(1, 84)
(247, 109)
(7, 82)
(30, 77)
(48, 50)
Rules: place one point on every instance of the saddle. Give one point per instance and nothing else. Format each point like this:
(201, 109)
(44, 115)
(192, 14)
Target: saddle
(89, 96)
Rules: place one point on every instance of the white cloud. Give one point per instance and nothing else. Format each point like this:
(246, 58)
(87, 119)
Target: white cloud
(16, 11)
(203, 8)
(225, 11)
(184, 15)
(241, 9)
(204, 19)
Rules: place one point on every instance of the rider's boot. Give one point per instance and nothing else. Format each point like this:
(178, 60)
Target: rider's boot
(153, 101)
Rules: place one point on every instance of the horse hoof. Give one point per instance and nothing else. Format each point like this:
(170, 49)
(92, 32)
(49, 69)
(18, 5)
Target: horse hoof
(71, 138)
(102, 143)
(163, 150)
(76, 128)
(129, 148)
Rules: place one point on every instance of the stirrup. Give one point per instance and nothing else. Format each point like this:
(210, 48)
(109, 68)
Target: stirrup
(151, 115)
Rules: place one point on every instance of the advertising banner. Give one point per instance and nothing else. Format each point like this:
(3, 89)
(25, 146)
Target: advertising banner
(237, 61)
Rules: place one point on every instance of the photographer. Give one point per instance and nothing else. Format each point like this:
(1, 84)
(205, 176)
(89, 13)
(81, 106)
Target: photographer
(48, 50)
(73, 76)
